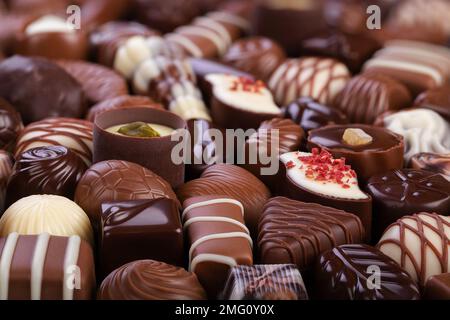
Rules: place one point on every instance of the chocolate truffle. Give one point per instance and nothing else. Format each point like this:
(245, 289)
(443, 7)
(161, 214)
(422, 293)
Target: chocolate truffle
(348, 272)
(121, 102)
(265, 282)
(419, 244)
(6, 165)
(71, 133)
(318, 78)
(438, 287)
(150, 280)
(273, 138)
(367, 96)
(52, 37)
(240, 103)
(127, 225)
(164, 15)
(98, 83)
(218, 239)
(55, 215)
(233, 182)
(30, 84)
(296, 232)
(432, 162)
(352, 50)
(10, 125)
(45, 170)
(115, 180)
(310, 114)
(46, 267)
(419, 66)
(398, 193)
(258, 56)
(318, 177)
(369, 150)
(423, 130)
(437, 99)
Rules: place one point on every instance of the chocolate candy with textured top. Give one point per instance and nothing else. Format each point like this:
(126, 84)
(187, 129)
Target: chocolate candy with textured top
(310, 114)
(297, 232)
(233, 182)
(151, 280)
(382, 153)
(98, 83)
(367, 96)
(437, 99)
(71, 133)
(6, 164)
(318, 177)
(258, 56)
(265, 282)
(29, 84)
(438, 287)
(45, 267)
(347, 273)
(318, 78)
(52, 37)
(353, 50)
(419, 244)
(45, 170)
(432, 162)
(127, 225)
(240, 103)
(10, 125)
(53, 214)
(218, 239)
(401, 192)
(121, 102)
(115, 180)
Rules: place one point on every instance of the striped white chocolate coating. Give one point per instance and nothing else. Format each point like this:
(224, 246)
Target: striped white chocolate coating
(5, 264)
(37, 265)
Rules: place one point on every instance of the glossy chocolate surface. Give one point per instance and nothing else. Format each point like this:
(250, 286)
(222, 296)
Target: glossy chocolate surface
(128, 225)
(438, 287)
(10, 125)
(45, 170)
(436, 99)
(344, 273)
(297, 232)
(432, 162)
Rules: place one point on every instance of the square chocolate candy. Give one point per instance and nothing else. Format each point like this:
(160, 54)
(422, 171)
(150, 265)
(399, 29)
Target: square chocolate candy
(140, 229)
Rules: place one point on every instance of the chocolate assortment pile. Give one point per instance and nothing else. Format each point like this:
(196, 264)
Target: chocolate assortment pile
(99, 199)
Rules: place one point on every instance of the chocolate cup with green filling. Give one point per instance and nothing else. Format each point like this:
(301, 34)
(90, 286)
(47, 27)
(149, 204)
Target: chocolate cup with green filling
(154, 153)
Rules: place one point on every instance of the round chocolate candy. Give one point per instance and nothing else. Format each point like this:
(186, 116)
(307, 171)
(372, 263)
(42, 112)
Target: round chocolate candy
(115, 180)
(398, 193)
(150, 280)
(438, 163)
(436, 99)
(45, 170)
(258, 56)
(6, 165)
(97, 12)
(10, 125)
(98, 83)
(38, 89)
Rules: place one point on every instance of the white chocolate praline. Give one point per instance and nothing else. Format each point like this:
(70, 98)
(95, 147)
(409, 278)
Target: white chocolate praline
(258, 102)
(53, 214)
(298, 176)
(423, 130)
(161, 129)
(49, 23)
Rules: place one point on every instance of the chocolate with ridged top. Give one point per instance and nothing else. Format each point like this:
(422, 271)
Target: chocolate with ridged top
(10, 125)
(398, 193)
(29, 84)
(258, 56)
(45, 170)
(347, 272)
(150, 280)
(367, 96)
(233, 182)
(265, 282)
(115, 180)
(297, 232)
(438, 163)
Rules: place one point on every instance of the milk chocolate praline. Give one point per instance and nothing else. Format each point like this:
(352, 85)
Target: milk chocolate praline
(439, 163)
(436, 99)
(10, 125)
(153, 153)
(383, 153)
